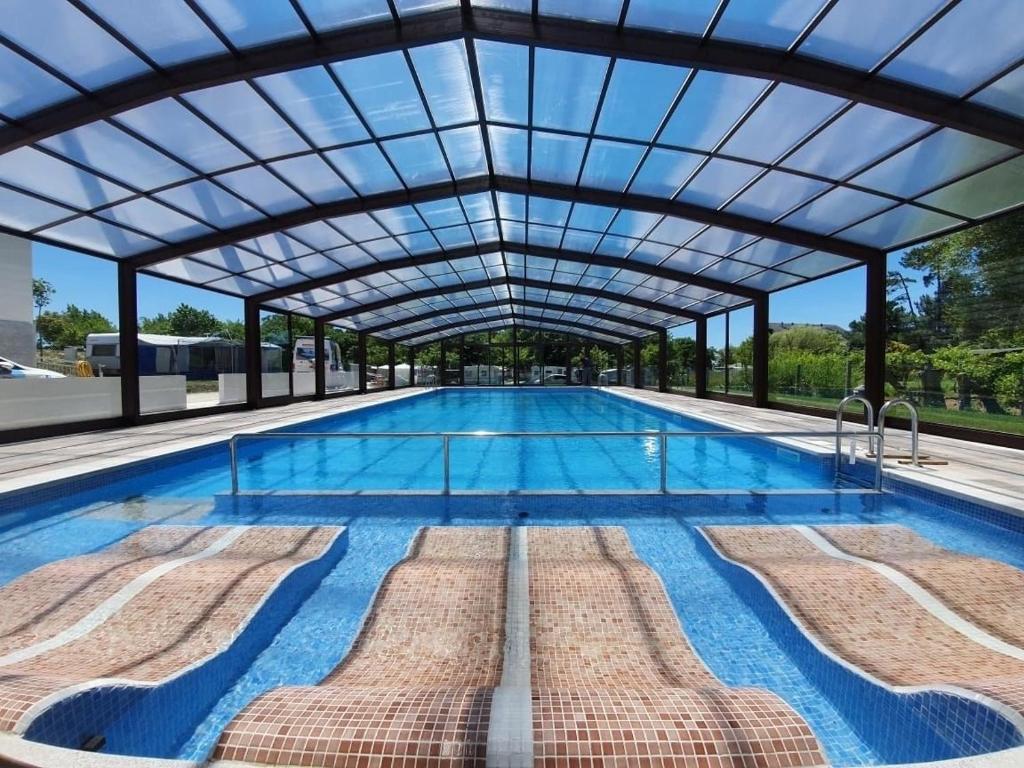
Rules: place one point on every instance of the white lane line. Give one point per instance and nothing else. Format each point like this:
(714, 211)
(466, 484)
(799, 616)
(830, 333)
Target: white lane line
(918, 594)
(510, 730)
(117, 601)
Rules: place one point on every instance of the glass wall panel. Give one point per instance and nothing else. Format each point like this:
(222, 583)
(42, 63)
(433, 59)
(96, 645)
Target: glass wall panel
(627, 365)
(376, 364)
(956, 328)
(341, 348)
(428, 362)
(649, 362)
(191, 347)
(275, 354)
(452, 356)
(54, 305)
(303, 356)
(740, 355)
(529, 371)
(403, 371)
(717, 372)
(682, 359)
(816, 342)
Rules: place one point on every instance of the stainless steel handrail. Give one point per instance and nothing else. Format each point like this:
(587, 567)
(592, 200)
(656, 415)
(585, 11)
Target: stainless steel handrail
(869, 411)
(914, 437)
(446, 438)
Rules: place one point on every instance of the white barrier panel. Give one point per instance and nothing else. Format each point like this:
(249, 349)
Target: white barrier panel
(303, 383)
(231, 388)
(34, 402)
(158, 394)
(276, 385)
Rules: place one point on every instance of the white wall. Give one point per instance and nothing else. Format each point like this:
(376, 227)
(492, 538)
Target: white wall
(32, 402)
(17, 329)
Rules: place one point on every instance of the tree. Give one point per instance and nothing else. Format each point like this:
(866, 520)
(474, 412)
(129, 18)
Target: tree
(185, 320)
(807, 338)
(42, 295)
(70, 327)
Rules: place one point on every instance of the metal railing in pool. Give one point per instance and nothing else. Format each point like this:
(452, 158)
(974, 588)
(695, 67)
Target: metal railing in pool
(446, 439)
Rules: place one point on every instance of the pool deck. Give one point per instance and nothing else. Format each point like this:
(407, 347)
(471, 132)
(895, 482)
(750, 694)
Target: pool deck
(976, 471)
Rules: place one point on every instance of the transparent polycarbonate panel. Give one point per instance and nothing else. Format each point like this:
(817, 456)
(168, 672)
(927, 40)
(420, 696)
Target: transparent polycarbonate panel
(730, 270)
(787, 115)
(246, 116)
(248, 24)
(330, 14)
(610, 164)
(210, 203)
(62, 182)
(930, 162)
(774, 194)
(770, 280)
(64, 37)
(966, 47)
(442, 213)
(508, 150)
(692, 16)
(719, 241)
(412, 7)
(384, 92)
(504, 79)
(350, 256)
(718, 181)
(113, 152)
(232, 259)
(686, 260)
(188, 270)
(454, 237)
(275, 275)
(674, 231)
(174, 127)
(464, 149)
(775, 24)
(854, 140)
(277, 246)
(365, 169)
(399, 221)
(898, 226)
(616, 245)
(983, 193)
(486, 232)
(638, 98)
(713, 103)
(1005, 94)
(556, 157)
(155, 219)
(313, 102)
(313, 177)
(419, 242)
(443, 72)
(100, 236)
(385, 249)
(478, 206)
(577, 240)
(262, 189)
(418, 159)
(859, 33)
(651, 253)
(545, 210)
(593, 217)
(566, 89)
(359, 227)
(26, 87)
(318, 235)
(20, 211)
(664, 172)
(634, 223)
(816, 264)
(836, 210)
(168, 32)
(315, 265)
(605, 11)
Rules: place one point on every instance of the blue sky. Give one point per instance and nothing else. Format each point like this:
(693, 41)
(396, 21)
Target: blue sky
(91, 283)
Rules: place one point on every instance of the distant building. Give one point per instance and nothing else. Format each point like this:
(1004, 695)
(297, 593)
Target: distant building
(17, 328)
(773, 327)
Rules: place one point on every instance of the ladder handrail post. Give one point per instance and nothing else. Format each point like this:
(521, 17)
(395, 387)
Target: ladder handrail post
(869, 412)
(914, 435)
(233, 450)
(445, 443)
(663, 439)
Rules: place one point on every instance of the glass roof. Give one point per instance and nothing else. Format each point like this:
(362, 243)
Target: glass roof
(314, 176)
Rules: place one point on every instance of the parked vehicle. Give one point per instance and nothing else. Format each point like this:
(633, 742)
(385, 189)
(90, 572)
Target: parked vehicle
(304, 355)
(12, 370)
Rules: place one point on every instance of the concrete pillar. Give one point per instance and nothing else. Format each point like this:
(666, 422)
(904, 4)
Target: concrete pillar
(17, 326)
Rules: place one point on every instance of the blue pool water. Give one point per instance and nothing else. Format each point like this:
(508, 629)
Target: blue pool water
(730, 626)
(486, 463)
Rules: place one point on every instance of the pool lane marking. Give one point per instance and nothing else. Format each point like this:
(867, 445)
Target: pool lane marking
(510, 730)
(918, 594)
(102, 612)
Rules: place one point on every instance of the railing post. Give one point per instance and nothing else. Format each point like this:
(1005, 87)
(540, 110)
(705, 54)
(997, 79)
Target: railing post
(233, 449)
(447, 464)
(879, 460)
(664, 462)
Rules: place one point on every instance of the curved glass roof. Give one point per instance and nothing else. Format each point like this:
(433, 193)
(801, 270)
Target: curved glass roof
(360, 161)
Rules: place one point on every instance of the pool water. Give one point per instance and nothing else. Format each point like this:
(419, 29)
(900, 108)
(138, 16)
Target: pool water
(490, 463)
(724, 624)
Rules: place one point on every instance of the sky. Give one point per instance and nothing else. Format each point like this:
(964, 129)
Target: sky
(91, 283)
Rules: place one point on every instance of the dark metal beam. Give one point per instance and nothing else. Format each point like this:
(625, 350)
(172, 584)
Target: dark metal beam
(760, 355)
(646, 327)
(128, 326)
(577, 257)
(638, 368)
(662, 360)
(874, 334)
(470, 22)
(585, 331)
(319, 359)
(501, 281)
(361, 356)
(700, 365)
(253, 355)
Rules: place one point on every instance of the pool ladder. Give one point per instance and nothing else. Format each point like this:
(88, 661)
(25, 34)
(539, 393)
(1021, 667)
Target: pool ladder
(876, 434)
